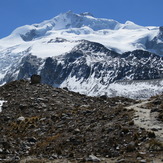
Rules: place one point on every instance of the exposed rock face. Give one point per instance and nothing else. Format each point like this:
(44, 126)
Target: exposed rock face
(46, 122)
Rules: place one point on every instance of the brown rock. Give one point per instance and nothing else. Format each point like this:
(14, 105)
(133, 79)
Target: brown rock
(35, 79)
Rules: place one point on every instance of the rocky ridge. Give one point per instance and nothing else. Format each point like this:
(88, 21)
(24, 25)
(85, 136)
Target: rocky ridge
(89, 67)
(46, 123)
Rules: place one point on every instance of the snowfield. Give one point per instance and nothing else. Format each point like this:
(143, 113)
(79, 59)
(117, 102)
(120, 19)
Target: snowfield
(70, 26)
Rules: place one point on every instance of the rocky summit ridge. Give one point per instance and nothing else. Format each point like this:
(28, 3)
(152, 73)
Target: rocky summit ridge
(40, 123)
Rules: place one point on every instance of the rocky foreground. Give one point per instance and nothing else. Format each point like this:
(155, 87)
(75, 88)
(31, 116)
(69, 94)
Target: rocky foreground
(39, 123)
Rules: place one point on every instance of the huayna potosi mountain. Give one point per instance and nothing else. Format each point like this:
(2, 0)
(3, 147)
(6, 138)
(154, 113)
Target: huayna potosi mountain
(89, 55)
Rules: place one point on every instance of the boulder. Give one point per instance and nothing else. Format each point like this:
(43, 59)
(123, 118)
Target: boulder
(35, 79)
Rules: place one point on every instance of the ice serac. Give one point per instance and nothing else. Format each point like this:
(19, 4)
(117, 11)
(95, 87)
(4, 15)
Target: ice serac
(89, 55)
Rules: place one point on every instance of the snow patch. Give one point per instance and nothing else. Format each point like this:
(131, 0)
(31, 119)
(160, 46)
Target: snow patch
(1, 104)
(21, 118)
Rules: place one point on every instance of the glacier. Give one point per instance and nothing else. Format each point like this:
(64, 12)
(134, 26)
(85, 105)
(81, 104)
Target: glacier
(71, 26)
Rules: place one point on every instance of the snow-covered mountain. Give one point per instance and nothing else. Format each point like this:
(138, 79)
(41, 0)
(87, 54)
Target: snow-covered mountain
(85, 54)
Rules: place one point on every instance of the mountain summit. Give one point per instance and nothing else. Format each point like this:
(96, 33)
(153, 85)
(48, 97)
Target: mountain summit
(65, 21)
(85, 54)
(114, 35)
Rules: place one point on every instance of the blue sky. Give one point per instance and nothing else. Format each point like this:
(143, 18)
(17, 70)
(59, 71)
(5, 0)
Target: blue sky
(15, 13)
